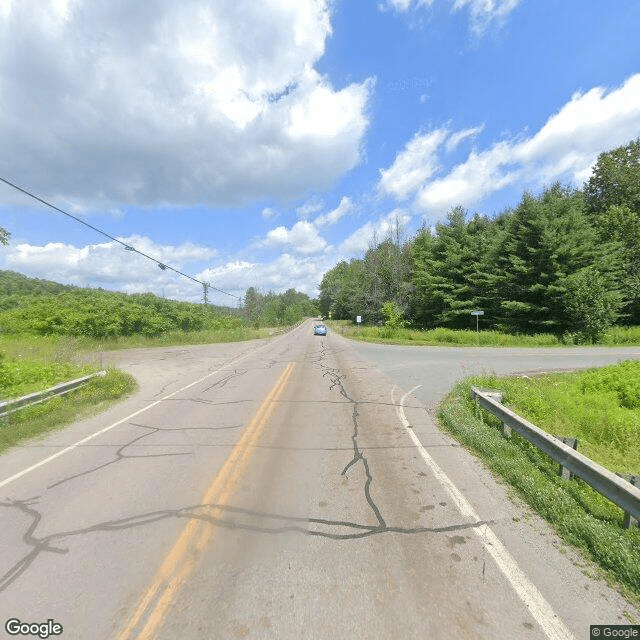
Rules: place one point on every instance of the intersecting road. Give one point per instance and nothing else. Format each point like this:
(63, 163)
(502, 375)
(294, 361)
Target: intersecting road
(290, 488)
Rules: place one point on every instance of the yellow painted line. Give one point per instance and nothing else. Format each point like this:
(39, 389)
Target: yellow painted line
(181, 559)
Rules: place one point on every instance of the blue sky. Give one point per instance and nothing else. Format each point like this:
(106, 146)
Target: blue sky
(258, 143)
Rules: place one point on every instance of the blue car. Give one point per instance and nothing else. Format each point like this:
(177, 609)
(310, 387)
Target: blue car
(319, 330)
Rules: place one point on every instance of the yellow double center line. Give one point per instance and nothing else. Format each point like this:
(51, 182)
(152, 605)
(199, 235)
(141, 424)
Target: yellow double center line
(181, 560)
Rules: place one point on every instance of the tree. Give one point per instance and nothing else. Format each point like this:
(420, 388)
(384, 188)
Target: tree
(450, 270)
(393, 315)
(342, 290)
(548, 238)
(591, 306)
(4, 236)
(619, 228)
(615, 180)
(386, 269)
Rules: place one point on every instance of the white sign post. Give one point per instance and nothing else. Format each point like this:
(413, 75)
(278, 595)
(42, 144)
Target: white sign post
(477, 314)
(358, 320)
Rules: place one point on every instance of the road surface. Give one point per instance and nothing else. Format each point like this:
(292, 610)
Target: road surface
(289, 488)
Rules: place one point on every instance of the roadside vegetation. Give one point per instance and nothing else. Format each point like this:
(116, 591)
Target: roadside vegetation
(385, 334)
(565, 262)
(599, 406)
(97, 395)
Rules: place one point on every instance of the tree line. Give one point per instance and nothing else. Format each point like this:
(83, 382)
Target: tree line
(565, 261)
(273, 309)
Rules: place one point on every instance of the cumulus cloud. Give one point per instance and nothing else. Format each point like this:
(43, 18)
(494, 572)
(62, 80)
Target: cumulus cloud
(565, 148)
(173, 103)
(303, 238)
(110, 266)
(285, 272)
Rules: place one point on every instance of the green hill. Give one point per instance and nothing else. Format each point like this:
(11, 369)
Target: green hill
(41, 307)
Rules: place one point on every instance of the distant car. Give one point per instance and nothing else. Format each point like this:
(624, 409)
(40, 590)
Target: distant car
(319, 330)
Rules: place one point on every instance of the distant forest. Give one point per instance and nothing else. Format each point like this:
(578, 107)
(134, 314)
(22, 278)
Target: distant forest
(565, 261)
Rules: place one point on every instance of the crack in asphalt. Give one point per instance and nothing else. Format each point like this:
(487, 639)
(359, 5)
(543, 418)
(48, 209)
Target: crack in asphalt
(337, 379)
(219, 384)
(198, 512)
(120, 455)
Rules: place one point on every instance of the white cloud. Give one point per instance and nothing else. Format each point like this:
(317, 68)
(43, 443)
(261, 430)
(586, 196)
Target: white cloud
(110, 266)
(374, 231)
(404, 5)
(482, 13)
(455, 139)
(414, 165)
(285, 272)
(311, 206)
(485, 12)
(303, 238)
(565, 148)
(173, 102)
(331, 218)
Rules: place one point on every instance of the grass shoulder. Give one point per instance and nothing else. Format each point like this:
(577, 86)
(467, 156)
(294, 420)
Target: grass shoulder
(470, 338)
(600, 408)
(96, 396)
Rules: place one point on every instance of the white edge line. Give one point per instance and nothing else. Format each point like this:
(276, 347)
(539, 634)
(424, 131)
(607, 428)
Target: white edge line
(35, 466)
(540, 609)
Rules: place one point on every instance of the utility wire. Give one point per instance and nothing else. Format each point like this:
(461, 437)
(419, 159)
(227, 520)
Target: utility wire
(127, 247)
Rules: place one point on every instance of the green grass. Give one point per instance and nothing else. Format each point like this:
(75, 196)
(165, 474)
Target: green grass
(441, 336)
(96, 396)
(31, 363)
(176, 338)
(622, 335)
(601, 407)
(588, 404)
(467, 337)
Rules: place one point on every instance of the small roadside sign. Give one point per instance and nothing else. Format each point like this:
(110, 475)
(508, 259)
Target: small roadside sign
(477, 314)
(358, 319)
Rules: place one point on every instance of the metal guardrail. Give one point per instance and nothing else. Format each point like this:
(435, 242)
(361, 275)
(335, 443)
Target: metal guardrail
(10, 406)
(618, 490)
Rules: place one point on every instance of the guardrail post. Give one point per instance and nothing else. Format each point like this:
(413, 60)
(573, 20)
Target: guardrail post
(573, 443)
(629, 520)
(497, 396)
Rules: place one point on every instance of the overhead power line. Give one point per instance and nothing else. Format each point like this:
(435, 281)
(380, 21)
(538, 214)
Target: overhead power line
(206, 286)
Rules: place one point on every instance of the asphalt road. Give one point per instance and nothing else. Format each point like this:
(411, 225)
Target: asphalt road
(290, 488)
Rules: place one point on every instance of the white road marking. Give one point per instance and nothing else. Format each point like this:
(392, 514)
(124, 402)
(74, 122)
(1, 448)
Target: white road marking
(540, 609)
(35, 466)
